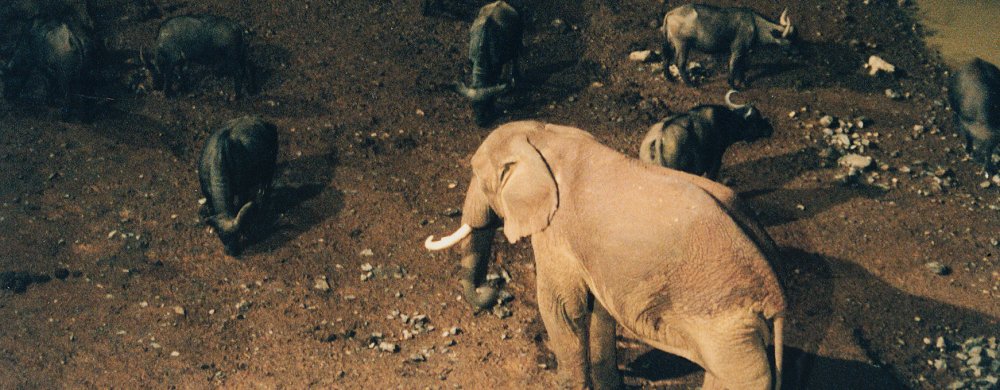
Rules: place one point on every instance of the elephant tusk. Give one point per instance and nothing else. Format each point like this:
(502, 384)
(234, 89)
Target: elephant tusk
(449, 241)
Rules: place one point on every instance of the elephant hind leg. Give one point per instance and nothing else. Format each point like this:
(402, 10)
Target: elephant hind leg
(735, 358)
(603, 349)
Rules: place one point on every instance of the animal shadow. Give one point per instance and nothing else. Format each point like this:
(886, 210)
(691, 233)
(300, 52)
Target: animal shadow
(827, 294)
(300, 200)
(775, 205)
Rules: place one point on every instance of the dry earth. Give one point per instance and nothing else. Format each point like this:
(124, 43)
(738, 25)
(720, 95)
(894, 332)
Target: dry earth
(375, 150)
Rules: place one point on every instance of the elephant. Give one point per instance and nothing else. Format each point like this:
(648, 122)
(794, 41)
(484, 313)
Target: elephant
(671, 257)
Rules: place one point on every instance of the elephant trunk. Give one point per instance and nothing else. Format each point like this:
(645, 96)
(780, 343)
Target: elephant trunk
(475, 238)
(475, 257)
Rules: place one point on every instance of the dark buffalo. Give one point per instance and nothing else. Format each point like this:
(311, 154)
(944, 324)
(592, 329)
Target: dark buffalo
(209, 40)
(713, 29)
(235, 172)
(494, 42)
(62, 51)
(695, 141)
(975, 98)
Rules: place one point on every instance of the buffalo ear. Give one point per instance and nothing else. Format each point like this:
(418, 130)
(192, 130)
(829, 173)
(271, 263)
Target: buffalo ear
(527, 194)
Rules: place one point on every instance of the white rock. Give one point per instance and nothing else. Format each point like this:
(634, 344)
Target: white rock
(321, 284)
(855, 161)
(640, 56)
(877, 64)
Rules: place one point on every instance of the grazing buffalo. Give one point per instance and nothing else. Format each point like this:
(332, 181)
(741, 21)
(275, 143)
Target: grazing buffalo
(210, 40)
(494, 42)
(235, 172)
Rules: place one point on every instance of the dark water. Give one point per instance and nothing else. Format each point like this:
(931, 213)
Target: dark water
(963, 29)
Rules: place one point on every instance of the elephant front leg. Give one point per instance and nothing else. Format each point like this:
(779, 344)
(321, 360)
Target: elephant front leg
(562, 302)
(603, 349)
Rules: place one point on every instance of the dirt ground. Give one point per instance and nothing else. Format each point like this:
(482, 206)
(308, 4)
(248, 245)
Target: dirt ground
(132, 290)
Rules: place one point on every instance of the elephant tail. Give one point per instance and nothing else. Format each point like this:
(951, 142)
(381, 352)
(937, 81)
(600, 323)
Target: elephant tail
(779, 330)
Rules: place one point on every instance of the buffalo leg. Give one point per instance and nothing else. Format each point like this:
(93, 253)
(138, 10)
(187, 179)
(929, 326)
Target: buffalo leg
(680, 59)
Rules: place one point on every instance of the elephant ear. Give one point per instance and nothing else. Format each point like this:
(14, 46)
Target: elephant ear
(528, 195)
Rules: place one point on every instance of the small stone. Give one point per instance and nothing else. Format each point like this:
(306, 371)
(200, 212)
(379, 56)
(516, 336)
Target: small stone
(940, 365)
(367, 252)
(793, 114)
(938, 269)
(641, 56)
(452, 212)
(876, 64)
(367, 267)
(827, 121)
(321, 284)
(892, 94)
(175, 354)
(179, 311)
(143, 304)
(418, 357)
(985, 184)
(855, 161)
(388, 347)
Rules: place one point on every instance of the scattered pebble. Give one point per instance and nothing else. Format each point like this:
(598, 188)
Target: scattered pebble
(876, 64)
(938, 268)
(321, 284)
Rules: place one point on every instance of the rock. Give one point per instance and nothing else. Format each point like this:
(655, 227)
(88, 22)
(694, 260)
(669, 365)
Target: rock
(321, 284)
(641, 56)
(985, 184)
(938, 269)
(876, 64)
(388, 347)
(61, 273)
(179, 310)
(367, 252)
(827, 121)
(892, 94)
(855, 161)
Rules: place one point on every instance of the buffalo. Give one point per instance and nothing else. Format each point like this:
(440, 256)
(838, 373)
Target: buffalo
(713, 29)
(695, 141)
(235, 171)
(494, 42)
(209, 40)
(975, 98)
